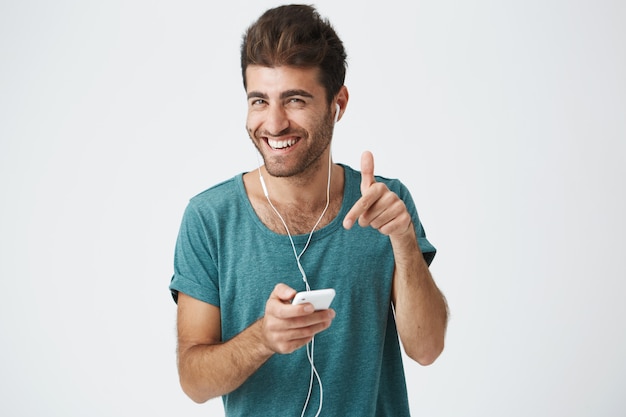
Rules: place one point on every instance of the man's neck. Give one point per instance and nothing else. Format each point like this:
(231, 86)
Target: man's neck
(307, 191)
(299, 203)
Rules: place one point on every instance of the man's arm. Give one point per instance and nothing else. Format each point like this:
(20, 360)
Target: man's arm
(420, 308)
(209, 368)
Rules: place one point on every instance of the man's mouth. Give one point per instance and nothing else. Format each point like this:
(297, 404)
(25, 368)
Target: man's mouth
(281, 144)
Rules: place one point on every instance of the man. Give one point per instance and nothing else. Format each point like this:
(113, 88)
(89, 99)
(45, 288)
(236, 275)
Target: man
(247, 245)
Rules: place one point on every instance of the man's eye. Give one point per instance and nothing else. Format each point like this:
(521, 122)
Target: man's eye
(257, 102)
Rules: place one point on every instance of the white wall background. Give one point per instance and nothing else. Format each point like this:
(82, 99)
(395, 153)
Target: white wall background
(505, 118)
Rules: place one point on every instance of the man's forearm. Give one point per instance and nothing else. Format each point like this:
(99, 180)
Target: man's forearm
(421, 309)
(209, 371)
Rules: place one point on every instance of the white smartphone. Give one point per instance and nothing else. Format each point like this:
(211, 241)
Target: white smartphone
(320, 299)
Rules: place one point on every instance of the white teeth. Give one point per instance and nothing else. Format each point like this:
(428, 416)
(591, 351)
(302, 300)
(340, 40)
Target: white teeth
(281, 144)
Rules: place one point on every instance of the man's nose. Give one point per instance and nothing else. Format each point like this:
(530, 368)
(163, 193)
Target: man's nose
(277, 120)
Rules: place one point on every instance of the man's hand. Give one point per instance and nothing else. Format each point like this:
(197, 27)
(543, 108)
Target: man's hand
(288, 327)
(378, 206)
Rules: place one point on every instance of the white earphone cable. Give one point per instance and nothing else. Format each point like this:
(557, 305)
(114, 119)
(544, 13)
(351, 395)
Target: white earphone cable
(309, 350)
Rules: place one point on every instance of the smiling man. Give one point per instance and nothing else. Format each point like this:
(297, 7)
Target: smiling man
(247, 245)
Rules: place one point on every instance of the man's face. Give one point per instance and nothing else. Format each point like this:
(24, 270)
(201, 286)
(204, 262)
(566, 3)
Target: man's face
(289, 120)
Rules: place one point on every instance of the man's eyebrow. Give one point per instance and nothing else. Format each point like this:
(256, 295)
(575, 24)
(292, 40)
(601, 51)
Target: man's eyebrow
(257, 94)
(283, 95)
(291, 93)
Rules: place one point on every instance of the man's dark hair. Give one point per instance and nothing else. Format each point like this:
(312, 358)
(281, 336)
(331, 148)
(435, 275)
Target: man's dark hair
(296, 35)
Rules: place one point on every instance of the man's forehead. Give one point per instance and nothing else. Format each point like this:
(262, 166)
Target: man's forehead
(282, 78)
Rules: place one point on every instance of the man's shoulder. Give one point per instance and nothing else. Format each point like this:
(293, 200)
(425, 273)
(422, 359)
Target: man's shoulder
(226, 191)
(225, 188)
(394, 184)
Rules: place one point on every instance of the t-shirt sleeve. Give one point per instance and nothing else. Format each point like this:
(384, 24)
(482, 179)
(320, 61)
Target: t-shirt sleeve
(195, 270)
(428, 250)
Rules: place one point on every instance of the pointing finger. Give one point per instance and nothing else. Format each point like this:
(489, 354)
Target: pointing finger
(367, 171)
(367, 180)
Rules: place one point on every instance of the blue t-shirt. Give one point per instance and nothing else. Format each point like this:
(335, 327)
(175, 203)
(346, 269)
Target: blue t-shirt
(227, 257)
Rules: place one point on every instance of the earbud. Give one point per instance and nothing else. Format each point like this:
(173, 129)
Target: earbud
(337, 113)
